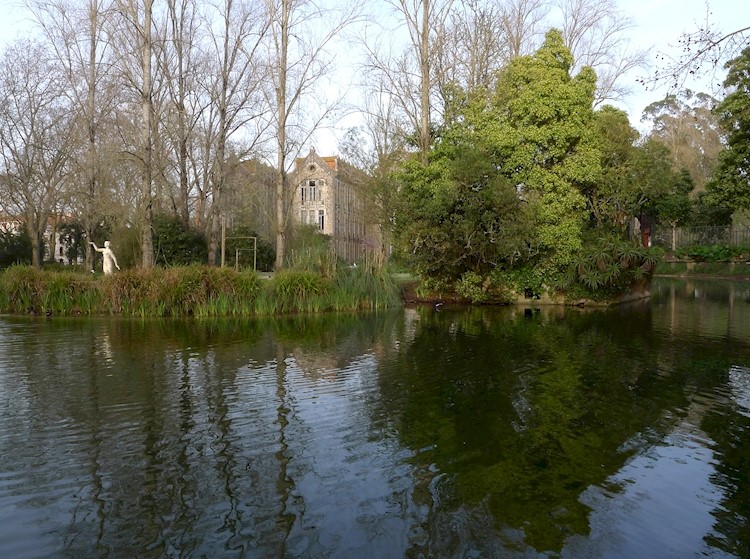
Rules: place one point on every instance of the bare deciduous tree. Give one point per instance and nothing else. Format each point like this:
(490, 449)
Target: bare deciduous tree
(471, 48)
(377, 147)
(135, 45)
(704, 50)
(235, 94)
(300, 59)
(179, 62)
(35, 121)
(78, 36)
(424, 21)
(523, 24)
(596, 32)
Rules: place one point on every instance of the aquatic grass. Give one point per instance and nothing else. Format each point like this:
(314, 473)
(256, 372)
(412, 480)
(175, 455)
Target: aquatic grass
(360, 287)
(57, 292)
(296, 290)
(318, 258)
(266, 304)
(220, 304)
(21, 289)
(86, 298)
(28, 289)
(184, 290)
(127, 292)
(194, 290)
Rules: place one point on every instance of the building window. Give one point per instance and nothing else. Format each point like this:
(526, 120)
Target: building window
(311, 217)
(309, 192)
(312, 192)
(321, 220)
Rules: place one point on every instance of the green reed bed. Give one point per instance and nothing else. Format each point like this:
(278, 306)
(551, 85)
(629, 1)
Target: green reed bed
(25, 289)
(182, 291)
(361, 288)
(296, 291)
(199, 291)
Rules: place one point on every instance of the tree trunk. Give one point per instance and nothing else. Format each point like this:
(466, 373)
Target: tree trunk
(90, 195)
(424, 66)
(281, 179)
(147, 242)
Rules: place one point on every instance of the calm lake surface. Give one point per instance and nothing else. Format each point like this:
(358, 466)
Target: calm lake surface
(413, 433)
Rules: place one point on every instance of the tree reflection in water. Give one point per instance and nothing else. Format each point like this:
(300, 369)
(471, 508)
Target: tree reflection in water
(413, 433)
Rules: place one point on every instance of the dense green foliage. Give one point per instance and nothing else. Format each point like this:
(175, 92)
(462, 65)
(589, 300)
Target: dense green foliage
(519, 177)
(713, 253)
(175, 244)
(730, 187)
(459, 215)
(246, 249)
(73, 239)
(612, 265)
(15, 248)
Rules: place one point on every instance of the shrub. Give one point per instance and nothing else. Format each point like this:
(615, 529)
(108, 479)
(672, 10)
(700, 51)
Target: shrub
(713, 253)
(176, 244)
(473, 287)
(239, 248)
(15, 248)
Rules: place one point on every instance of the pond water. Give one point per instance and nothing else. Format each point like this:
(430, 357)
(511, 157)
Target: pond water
(486, 432)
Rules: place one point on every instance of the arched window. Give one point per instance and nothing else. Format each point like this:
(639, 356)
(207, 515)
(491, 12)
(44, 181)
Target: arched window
(321, 220)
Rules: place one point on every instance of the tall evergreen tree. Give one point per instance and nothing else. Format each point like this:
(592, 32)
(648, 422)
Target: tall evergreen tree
(541, 123)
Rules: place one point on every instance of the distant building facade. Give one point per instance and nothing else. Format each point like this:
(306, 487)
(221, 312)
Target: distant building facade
(250, 198)
(55, 247)
(324, 192)
(326, 195)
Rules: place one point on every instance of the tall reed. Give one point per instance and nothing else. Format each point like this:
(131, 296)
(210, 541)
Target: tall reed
(199, 291)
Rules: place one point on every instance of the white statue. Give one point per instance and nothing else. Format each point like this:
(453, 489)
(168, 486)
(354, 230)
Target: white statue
(108, 255)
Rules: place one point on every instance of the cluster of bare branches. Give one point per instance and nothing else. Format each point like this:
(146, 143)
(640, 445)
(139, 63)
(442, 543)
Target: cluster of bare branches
(703, 51)
(460, 46)
(155, 104)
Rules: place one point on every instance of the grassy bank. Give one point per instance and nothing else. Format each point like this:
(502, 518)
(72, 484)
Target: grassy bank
(729, 270)
(193, 291)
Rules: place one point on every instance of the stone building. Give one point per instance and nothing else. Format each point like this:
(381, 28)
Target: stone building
(324, 192)
(326, 195)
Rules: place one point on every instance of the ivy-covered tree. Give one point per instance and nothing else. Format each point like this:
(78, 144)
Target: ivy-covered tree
(459, 215)
(539, 125)
(729, 189)
(610, 199)
(504, 187)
